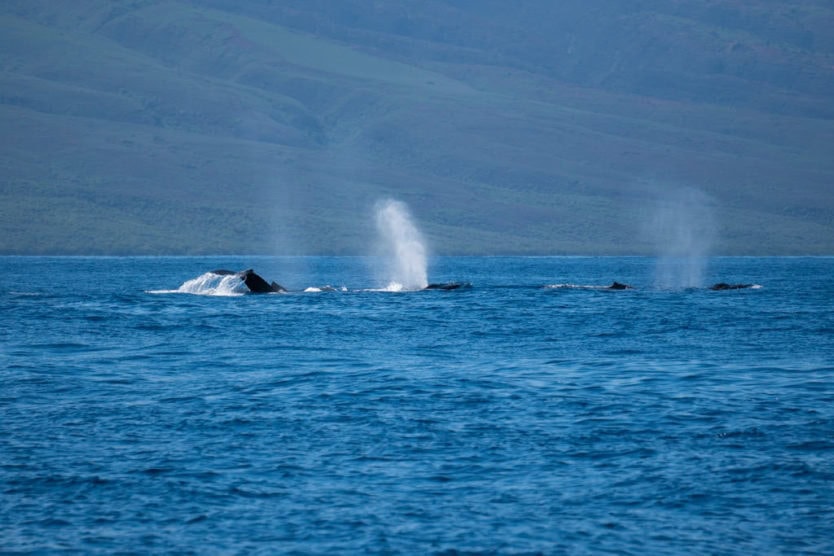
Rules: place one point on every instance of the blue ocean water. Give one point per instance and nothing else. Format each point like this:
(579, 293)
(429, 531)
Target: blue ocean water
(505, 418)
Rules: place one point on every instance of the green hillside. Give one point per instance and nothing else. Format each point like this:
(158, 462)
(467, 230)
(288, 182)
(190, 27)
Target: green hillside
(177, 127)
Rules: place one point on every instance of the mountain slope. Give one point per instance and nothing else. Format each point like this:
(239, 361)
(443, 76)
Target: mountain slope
(216, 127)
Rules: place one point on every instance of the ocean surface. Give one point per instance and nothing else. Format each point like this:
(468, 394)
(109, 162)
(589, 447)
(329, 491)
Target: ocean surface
(534, 412)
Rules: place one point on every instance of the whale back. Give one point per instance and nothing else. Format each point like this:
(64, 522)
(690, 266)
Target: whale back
(255, 283)
(725, 286)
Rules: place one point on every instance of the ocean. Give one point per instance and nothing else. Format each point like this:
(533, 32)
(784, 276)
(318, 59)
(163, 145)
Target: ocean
(533, 412)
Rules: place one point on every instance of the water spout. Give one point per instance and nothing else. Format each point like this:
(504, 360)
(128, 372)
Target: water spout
(683, 231)
(403, 247)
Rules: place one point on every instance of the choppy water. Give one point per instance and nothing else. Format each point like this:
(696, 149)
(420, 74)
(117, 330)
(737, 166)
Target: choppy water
(506, 418)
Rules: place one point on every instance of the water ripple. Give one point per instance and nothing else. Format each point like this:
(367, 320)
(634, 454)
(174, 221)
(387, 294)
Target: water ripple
(509, 418)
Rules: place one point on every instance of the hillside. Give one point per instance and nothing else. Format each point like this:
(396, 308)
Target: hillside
(177, 127)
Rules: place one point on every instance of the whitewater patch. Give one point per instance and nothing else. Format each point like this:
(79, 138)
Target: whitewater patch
(394, 287)
(575, 287)
(397, 287)
(324, 289)
(212, 284)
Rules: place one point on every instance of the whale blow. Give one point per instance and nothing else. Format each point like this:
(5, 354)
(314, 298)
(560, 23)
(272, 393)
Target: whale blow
(404, 247)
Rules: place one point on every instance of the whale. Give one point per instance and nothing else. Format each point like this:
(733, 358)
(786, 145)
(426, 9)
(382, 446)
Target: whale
(724, 286)
(253, 281)
(613, 286)
(448, 286)
(619, 286)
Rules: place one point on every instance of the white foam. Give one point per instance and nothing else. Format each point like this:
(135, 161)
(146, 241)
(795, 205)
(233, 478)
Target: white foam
(211, 284)
(394, 287)
(327, 288)
(575, 287)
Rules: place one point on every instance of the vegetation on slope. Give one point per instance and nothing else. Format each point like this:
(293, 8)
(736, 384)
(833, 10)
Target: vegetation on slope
(258, 127)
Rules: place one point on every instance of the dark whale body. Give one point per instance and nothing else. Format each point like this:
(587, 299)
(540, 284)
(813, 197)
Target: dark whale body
(255, 283)
(724, 286)
(449, 286)
(619, 286)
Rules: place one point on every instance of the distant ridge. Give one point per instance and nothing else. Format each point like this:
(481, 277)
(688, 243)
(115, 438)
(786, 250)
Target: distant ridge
(182, 127)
